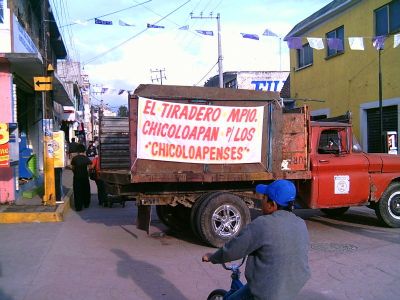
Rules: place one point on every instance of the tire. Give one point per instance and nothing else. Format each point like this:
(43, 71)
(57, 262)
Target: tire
(217, 294)
(221, 217)
(388, 208)
(175, 217)
(193, 214)
(335, 212)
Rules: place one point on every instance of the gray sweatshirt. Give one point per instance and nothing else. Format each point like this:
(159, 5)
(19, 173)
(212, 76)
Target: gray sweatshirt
(277, 248)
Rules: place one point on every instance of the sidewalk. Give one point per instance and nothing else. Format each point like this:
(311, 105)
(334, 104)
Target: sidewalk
(39, 213)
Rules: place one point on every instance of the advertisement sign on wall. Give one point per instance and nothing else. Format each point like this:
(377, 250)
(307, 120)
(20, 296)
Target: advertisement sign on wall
(5, 28)
(1, 11)
(199, 133)
(21, 40)
(59, 149)
(4, 145)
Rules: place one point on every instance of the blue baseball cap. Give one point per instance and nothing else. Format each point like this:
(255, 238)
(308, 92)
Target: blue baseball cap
(281, 191)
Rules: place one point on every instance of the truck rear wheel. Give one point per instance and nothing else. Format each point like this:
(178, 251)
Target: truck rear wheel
(334, 212)
(194, 213)
(175, 217)
(388, 208)
(220, 217)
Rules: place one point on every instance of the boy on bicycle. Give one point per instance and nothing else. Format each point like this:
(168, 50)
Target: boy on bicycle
(276, 244)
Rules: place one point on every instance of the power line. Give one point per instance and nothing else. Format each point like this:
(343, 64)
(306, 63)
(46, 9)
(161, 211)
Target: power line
(109, 14)
(134, 36)
(207, 73)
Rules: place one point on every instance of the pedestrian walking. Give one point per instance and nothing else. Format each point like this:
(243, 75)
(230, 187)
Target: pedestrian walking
(101, 190)
(276, 244)
(91, 151)
(81, 183)
(72, 149)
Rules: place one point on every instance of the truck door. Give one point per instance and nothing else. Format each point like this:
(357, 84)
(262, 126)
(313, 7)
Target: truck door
(342, 175)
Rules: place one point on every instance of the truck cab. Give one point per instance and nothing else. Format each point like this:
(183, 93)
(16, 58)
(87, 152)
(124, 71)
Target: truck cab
(343, 175)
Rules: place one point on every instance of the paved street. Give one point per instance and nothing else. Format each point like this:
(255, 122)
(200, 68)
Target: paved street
(99, 254)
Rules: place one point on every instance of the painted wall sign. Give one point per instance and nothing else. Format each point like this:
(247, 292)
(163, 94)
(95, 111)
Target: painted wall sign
(5, 28)
(4, 145)
(22, 42)
(59, 149)
(199, 133)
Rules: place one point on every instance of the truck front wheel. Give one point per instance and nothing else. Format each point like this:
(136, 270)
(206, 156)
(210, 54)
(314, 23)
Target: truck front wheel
(388, 208)
(221, 217)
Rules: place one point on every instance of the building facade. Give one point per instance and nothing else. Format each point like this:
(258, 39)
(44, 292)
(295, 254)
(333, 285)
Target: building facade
(271, 81)
(345, 80)
(30, 46)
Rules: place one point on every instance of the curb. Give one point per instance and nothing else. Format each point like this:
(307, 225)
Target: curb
(39, 217)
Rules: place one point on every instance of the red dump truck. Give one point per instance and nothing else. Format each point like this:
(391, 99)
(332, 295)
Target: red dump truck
(197, 153)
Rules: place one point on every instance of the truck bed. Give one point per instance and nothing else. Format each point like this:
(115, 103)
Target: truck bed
(284, 146)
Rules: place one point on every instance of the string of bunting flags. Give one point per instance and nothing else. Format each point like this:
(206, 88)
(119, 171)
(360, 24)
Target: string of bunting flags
(355, 43)
(110, 91)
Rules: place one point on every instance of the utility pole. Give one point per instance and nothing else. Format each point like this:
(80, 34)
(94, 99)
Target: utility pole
(218, 18)
(49, 197)
(160, 77)
(381, 133)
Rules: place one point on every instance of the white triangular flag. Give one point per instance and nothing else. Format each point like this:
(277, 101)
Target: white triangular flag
(316, 43)
(356, 43)
(396, 40)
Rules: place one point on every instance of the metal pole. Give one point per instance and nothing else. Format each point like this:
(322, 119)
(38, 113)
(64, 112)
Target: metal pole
(381, 135)
(49, 197)
(220, 70)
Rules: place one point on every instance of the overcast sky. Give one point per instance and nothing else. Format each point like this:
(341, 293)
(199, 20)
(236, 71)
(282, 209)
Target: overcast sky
(121, 57)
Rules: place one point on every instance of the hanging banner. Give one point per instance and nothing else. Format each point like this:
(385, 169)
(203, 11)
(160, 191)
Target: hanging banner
(4, 146)
(198, 133)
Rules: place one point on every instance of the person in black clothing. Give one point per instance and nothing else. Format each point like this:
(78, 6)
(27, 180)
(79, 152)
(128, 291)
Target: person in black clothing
(81, 183)
(72, 148)
(91, 151)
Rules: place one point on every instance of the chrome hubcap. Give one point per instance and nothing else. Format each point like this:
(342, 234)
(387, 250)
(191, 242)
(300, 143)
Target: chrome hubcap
(226, 221)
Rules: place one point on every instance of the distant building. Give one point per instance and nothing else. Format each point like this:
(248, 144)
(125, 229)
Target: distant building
(272, 81)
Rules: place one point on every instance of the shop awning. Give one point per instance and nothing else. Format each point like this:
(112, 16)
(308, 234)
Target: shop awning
(29, 65)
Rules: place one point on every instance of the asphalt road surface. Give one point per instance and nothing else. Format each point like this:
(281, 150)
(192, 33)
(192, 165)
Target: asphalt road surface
(99, 254)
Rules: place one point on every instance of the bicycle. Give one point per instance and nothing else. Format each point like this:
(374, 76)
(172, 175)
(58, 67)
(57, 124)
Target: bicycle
(236, 284)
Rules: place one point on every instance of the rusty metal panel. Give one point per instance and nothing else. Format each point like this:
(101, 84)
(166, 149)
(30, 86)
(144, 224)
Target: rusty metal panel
(295, 138)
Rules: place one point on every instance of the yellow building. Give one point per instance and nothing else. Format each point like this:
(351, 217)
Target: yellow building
(348, 80)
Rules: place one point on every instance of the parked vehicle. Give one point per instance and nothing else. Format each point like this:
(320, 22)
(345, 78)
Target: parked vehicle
(213, 196)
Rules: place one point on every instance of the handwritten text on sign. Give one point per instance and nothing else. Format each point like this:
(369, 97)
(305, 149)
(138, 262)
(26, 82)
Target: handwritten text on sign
(199, 133)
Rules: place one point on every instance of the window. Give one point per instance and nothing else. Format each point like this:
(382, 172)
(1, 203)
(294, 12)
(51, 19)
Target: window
(333, 141)
(231, 84)
(337, 33)
(387, 18)
(329, 142)
(304, 56)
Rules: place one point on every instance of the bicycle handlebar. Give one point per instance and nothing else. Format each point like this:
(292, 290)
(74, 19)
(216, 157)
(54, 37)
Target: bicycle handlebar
(233, 266)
